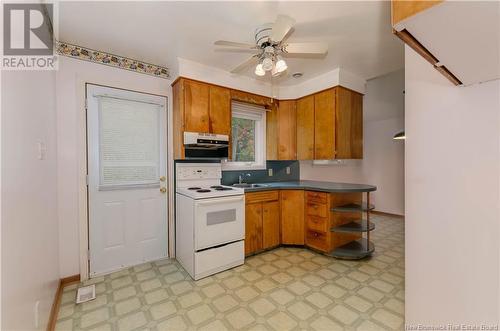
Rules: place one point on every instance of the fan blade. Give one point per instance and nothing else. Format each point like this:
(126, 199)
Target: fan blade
(305, 48)
(247, 63)
(233, 44)
(281, 27)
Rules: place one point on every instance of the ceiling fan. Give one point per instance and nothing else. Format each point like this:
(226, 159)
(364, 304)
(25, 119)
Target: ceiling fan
(271, 46)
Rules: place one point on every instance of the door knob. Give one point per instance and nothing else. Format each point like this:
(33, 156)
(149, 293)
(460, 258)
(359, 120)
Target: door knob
(163, 189)
(163, 178)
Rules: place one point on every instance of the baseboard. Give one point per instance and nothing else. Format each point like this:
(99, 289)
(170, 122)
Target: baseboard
(70, 280)
(381, 213)
(63, 282)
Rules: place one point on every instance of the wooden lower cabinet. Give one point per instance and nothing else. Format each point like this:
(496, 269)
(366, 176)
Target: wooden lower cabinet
(318, 221)
(270, 224)
(262, 221)
(339, 199)
(317, 240)
(297, 217)
(292, 217)
(253, 228)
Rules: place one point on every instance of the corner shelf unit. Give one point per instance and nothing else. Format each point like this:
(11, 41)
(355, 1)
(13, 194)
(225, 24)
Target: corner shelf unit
(360, 248)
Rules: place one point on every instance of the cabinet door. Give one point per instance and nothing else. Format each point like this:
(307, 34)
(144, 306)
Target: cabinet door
(287, 123)
(270, 224)
(220, 110)
(272, 133)
(196, 107)
(292, 217)
(349, 124)
(305, 128)
(253, 228)
(324, 125)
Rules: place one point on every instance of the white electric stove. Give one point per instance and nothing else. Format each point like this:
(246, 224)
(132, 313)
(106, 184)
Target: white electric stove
(210, 220)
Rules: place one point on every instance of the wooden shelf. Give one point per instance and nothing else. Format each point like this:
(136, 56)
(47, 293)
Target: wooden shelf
(353, 207)
(354, 226)
(354, 250)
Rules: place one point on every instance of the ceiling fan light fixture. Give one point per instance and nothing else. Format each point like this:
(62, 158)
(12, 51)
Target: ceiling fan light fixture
(275, 72)
(267, 64)
(280, 64)
(259, 71)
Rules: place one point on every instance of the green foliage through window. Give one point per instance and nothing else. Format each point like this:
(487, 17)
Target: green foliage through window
(243, 136)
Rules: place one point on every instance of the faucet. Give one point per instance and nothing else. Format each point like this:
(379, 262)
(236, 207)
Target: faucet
(240, 177)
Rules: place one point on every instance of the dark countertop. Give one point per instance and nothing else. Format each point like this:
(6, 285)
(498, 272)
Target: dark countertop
(313, 185)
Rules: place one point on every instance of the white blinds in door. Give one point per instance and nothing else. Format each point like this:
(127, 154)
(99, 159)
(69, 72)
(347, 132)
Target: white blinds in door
(129, 143)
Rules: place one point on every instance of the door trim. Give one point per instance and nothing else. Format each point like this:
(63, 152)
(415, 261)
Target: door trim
(83, 194)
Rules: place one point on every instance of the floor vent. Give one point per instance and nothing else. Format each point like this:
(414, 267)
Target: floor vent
(85, 294)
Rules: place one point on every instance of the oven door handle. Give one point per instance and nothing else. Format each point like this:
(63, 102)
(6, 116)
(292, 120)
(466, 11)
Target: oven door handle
(219, 201)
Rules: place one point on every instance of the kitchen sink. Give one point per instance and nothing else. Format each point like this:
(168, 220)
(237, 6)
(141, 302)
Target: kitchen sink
(248, 185)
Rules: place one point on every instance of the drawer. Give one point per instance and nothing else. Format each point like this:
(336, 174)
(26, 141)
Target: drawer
(318, 197)
(213, 260)
(316, 209)
(317, 240)
(253, 197)
(318, 224)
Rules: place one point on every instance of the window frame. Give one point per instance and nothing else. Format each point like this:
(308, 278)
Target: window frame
(259, 116)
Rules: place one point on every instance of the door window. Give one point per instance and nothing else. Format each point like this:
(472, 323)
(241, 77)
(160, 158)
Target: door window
(129, 151)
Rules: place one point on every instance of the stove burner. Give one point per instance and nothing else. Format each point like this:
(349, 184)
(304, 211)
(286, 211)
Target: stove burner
(194, 188)
(203, 191)
(216, 186)
(223, 189)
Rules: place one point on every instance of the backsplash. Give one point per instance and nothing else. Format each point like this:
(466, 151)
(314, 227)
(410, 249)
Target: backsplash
(259, 176)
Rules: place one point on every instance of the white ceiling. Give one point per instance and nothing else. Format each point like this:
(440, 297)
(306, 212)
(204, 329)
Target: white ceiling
(358, 33)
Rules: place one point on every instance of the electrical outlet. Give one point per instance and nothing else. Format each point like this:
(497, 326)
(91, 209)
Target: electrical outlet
(270, 172)
(288, 170)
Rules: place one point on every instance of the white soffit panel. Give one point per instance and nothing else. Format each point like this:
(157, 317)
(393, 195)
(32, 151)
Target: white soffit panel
(464, 36)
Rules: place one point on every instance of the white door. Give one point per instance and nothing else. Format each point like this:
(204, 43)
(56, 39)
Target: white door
(126, 141)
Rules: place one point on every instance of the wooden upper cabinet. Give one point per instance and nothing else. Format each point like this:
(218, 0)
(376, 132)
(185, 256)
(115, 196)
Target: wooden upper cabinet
(220, 110)
(349, 124)
(281, 138)
(287, 125)
(199, 107)
(251, 98)
(272, 133)
(305, 128)
(324, 125)
(178, 119)
(196, 106)
(402, 9)
(292, 217)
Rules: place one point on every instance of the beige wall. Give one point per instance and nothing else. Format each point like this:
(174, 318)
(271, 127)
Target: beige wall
(383, 158)
(70, 80)
(452, 198)
(29, 233)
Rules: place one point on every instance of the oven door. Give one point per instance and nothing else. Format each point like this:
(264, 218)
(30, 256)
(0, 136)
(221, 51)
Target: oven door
(219, 221)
